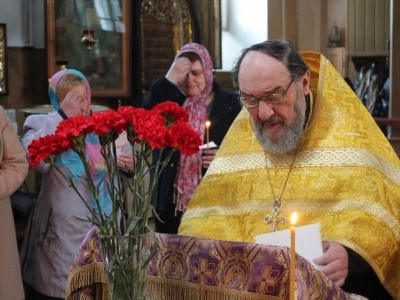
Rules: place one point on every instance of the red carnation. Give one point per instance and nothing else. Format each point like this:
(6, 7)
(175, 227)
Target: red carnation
(106, 122)
(126, 113)
(150, 127)
(48, 145)
(188, 139)
(172, 112)
(73, 127)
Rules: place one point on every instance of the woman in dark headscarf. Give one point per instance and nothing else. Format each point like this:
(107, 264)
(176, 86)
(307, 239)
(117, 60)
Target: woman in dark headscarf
(189, 82)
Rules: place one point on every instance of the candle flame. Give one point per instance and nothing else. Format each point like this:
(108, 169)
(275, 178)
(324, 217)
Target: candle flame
(208, 123)
(293, 218)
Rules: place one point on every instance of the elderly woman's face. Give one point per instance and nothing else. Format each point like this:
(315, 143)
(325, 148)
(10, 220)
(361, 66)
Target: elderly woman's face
(81, 98)
(195, 80)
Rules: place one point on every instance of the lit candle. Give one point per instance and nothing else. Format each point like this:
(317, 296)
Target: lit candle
(293, 220)
(208, 132)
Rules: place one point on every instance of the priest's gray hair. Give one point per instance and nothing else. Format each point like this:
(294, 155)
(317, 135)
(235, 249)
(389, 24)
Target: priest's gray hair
(283, 50)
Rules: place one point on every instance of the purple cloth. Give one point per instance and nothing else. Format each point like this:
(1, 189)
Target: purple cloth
(222, 267)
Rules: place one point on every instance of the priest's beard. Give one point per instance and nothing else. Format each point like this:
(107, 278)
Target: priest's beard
(290, 138)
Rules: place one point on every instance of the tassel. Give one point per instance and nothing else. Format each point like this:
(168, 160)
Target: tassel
(169, 289)
(85, 276)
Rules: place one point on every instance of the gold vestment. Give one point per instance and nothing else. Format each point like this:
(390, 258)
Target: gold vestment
(345, 176)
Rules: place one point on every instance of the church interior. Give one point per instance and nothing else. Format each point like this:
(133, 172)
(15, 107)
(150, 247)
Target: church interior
(123, 46)
(37, 46)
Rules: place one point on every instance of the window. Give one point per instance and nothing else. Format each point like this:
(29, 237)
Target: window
(243, 23)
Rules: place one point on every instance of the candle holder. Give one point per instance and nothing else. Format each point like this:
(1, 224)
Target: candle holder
(61, 64)
(89, 38)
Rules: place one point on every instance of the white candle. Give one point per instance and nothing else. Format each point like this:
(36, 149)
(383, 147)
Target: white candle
(293, 220)
(208, 123)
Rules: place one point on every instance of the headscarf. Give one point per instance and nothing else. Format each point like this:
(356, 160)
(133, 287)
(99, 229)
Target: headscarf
(188, 174)
(71, 160)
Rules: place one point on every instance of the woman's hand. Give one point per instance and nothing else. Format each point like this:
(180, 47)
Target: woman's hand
(208, 157)
(74, 105)
(178, 70)
(126, 161)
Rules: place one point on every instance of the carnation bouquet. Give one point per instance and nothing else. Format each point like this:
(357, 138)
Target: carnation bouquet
(124, 230)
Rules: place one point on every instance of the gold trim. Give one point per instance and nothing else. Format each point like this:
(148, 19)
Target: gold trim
(179, 290)
(328, 157)
(314, 205)
(87, 275)
(312, 103)
(320, 90)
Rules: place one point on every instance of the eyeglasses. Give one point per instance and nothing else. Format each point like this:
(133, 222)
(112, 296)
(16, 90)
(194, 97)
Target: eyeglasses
(272, 98)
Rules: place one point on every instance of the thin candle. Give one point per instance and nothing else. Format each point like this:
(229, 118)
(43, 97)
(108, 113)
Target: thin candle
(293, 220)
(208, 123)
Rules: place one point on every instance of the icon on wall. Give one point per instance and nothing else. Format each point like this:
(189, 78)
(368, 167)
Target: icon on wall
(334, 37)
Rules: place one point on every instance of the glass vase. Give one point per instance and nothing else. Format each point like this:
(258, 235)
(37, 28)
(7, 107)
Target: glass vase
(125, 261)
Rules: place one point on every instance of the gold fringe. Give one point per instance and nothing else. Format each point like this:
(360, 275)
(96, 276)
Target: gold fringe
(168, 289)
(86, 297)
(102, 292)
(79, 296)
(93, 273)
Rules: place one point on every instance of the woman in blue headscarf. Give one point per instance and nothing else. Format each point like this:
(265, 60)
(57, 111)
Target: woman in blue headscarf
(54, 233)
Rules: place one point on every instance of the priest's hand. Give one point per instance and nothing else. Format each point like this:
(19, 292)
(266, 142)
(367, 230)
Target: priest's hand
(208, 157)
(178, 71)
(334, 262)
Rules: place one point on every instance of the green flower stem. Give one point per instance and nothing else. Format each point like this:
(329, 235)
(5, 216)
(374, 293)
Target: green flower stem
(112, 171)
(159, 166)
(91, 186)
(73, 186)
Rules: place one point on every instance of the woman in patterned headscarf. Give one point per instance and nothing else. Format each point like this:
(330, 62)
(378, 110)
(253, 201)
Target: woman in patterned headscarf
(54, 234)
(189, 82)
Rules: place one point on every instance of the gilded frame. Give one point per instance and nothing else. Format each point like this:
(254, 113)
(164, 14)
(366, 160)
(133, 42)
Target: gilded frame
(107, 65)
(3, 60)
(165, 27)
(208, 15)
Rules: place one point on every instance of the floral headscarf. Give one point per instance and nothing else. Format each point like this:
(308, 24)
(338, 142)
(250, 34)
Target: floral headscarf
(188, 174)
(72, 161)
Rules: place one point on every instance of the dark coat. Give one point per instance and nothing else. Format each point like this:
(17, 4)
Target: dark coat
(225, 108)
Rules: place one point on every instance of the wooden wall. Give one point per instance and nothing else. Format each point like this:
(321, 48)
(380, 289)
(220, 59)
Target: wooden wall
(312, 14)
(395, 72)
(365, 25)
(282, 20)
(27, 80)
(368, 26)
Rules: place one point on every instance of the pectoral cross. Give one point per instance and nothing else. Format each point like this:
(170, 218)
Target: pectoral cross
(275, 219)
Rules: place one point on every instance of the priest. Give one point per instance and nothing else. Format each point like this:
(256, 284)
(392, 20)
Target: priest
(305, 143)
